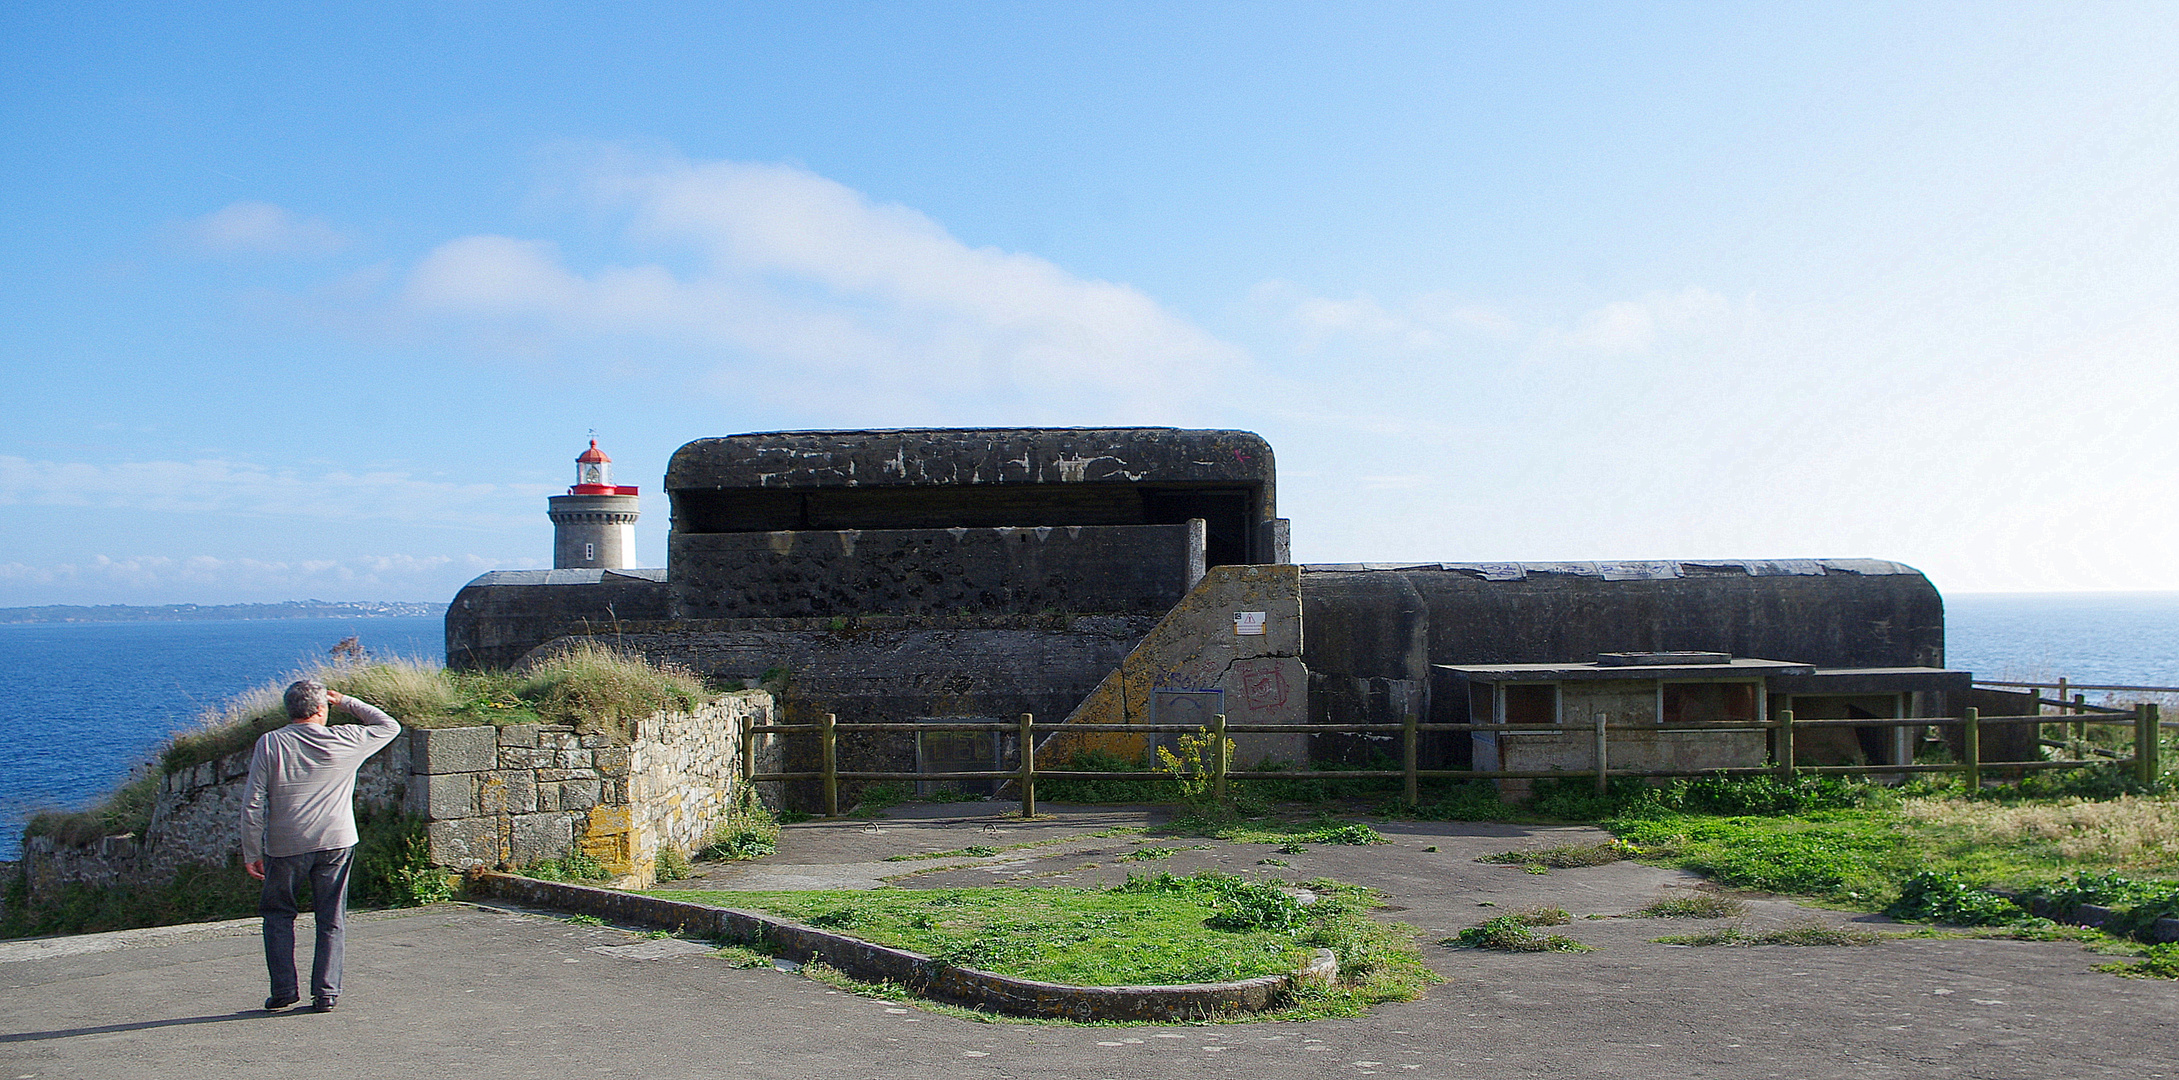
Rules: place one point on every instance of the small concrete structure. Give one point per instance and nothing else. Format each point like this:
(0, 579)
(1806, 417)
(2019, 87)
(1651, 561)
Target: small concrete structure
(1677, 694)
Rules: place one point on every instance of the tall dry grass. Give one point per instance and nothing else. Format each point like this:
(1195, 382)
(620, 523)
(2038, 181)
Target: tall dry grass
(2131, 831)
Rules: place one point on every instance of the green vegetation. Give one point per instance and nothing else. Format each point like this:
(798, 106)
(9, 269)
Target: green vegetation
(575, 868)
(749, 832)
(1088, 937)
(1810, 934)
(1939, 896)
(1702, 905)
(1511, 933)
(1566, 856)
(1156, 928)
(2157, 962)
(671, 865)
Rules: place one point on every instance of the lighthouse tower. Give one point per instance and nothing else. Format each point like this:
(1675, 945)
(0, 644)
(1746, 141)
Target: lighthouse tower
(594, 524)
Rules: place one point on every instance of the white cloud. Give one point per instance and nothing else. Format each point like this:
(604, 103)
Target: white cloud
(261, 228)
(242, 488)
(1427, 322)
(801, 282)
(1625, 327)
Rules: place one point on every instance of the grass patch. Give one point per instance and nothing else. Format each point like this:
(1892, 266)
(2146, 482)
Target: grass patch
(1851, 857)
(1087, 937)
(1701, 905)
(2157, 962)
(1566, 856)
(1291, 837)
(1157, 928)
(749, 832)
(1511, 933)
(1808, 935)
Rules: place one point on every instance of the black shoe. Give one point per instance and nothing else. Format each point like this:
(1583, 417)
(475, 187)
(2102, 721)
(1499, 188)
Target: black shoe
(275, 1004)
(322, 1004)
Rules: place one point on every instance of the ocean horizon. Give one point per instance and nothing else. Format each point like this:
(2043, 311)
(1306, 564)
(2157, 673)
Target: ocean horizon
(85, 702)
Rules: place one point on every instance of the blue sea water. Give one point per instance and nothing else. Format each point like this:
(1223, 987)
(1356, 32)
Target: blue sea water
(81, 703)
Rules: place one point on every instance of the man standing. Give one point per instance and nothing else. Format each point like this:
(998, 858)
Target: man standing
(299, 822)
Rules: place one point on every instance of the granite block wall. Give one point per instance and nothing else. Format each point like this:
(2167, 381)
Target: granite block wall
(489, 796)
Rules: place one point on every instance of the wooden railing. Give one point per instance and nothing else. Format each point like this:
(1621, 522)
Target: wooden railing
(2145, 763)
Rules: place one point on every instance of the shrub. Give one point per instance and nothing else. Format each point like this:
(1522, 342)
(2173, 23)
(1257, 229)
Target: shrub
(671, 865)
(1940, 896)
(749, 832)
(1743, 796)
(393, 861)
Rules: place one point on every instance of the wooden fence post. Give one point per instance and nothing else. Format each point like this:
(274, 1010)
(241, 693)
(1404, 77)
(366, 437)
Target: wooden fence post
(748, 746)
(2080, 727)
(831, 740)
(1785, 746)
(1219, 762)
(1413, 788)
(1028, 766)
(1603, 767)
(1971, 749)
(2148, 730)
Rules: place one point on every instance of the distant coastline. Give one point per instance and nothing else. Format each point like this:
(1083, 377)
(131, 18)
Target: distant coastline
(291, 609)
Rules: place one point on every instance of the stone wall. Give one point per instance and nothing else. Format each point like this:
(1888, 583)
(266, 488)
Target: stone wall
(489, 796)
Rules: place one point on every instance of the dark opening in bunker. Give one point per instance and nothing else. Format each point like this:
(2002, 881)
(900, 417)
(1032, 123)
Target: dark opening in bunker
(1229, 513)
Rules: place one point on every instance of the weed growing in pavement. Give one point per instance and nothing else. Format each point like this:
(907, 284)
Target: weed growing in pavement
(1701, 905)
(1566, 856)
(1810, 934)
(2157, 962)
(1511, 933)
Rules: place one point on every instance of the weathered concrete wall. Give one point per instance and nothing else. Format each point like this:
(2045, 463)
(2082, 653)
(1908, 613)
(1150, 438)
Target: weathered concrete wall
(489, 796)
(980, 478)
(1374, 631)
(502, 615)
(1133, 568)
(1261, 676)
(892, 669)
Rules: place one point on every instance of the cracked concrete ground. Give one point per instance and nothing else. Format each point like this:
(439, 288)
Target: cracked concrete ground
(464, 990)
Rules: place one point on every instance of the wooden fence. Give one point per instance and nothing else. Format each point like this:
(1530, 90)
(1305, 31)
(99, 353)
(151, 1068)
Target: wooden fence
(2145, 719)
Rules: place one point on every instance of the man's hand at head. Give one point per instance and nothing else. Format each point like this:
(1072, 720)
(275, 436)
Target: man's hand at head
(333, 699)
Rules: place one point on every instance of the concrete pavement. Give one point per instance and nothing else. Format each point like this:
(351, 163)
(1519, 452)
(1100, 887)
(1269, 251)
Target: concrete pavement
(459, 990)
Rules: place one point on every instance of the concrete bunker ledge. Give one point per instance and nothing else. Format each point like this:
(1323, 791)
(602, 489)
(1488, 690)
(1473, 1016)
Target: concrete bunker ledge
(925, 975)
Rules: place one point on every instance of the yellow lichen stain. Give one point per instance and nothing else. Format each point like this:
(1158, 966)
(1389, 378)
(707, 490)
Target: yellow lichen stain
(609, 837)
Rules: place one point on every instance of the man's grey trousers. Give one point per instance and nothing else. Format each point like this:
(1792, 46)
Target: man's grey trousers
(327, 872)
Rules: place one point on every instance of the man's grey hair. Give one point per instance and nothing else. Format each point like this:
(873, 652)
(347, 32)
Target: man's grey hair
(305, 698)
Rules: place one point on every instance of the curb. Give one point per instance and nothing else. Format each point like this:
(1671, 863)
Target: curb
(2096, 915)
(925, 975)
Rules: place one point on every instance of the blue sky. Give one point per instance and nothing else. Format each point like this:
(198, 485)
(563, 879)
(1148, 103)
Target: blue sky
(323, 303)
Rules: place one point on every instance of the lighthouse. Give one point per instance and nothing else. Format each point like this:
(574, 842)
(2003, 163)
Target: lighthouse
(594, 524)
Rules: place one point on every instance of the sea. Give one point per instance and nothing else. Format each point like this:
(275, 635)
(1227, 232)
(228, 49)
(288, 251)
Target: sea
(83, 703)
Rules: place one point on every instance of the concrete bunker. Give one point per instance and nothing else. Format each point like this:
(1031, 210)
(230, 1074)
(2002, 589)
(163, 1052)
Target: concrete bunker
(1088, 574)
